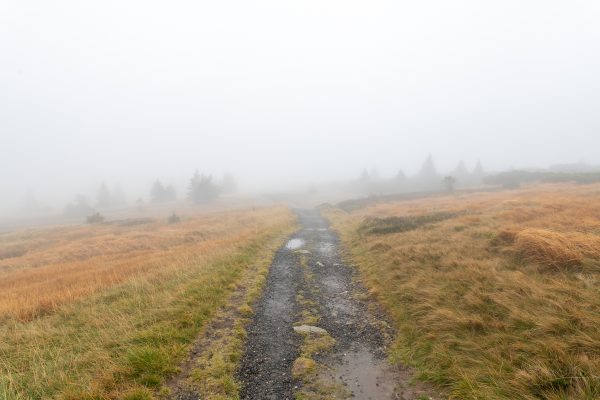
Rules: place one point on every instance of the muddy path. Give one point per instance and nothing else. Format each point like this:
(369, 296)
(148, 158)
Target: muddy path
(309, 269)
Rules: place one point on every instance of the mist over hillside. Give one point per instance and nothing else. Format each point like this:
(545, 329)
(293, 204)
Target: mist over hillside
(285, 97)
(306, 199)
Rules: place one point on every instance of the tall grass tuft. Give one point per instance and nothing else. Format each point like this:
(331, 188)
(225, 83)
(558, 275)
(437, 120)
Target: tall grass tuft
(543, 246)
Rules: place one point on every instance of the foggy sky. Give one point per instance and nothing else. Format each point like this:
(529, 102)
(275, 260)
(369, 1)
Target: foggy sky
(289, 91)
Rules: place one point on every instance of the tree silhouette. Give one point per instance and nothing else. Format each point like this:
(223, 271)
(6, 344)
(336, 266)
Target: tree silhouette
(364, 176)
(428, 178)
(401, 176)
(461, 170)
(161, 194)
(118, 197)
(449, 182)
(478, 170)
(103, 196)
(478, 173)
(80, 207)
(228, 184)
(202, 189)
(170, 193)
(428, 171)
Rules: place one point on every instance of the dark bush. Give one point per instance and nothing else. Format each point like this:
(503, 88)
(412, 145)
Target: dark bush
(174, 218)
(95, 219)
(376, 225)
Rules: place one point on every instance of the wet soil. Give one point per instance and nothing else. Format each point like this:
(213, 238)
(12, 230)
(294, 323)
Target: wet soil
(357, 361)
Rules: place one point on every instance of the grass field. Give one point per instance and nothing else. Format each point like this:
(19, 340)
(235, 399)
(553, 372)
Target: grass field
(109, 311)
(492, 295)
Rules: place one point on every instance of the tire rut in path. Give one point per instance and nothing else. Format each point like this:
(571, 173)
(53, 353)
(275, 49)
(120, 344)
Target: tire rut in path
(357, 361)
(272, 345)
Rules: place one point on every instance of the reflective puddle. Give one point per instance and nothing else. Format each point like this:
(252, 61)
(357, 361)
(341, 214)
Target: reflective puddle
(364, 375)
(294, 244)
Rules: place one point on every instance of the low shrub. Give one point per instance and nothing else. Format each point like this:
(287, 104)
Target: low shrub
(174, 218)
(95, 219)
(375, 225)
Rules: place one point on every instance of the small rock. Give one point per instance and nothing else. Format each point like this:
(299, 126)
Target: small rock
(309, 329)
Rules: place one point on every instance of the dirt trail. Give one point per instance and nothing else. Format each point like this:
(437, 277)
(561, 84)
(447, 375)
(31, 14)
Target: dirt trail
(272, 344)
(356, 361)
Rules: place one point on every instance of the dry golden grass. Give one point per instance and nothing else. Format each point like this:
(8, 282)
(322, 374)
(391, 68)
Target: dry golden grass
(499, 302)
(553, 249)
(110, 312)
(60, 265)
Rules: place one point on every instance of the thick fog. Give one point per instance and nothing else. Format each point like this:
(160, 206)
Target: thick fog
(284, 93)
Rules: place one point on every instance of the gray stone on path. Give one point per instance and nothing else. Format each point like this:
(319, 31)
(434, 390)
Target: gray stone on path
(309, 329)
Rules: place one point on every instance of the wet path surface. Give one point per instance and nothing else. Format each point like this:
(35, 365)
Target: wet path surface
(357, 360)
(272, 344)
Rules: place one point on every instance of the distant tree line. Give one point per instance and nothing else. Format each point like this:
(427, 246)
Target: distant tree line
(426, 179)
(162, 194)
(105, 198)
(202, 189)
(514, 179)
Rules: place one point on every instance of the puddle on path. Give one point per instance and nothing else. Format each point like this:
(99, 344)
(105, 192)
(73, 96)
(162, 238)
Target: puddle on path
(294, 244)
(366, 376)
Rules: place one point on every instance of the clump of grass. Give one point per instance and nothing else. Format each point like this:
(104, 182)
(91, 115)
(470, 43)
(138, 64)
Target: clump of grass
(303, 367)
(306, 369)
(315, 344)
(552, 249)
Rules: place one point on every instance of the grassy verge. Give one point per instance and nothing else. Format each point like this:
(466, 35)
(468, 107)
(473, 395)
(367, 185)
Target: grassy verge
(498, 302)
(123, 341)
(213, 372)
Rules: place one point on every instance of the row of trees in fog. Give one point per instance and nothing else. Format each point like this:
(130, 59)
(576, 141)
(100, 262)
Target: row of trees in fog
(105, 198)
(162, 194)
(202, 189)
(427, 178)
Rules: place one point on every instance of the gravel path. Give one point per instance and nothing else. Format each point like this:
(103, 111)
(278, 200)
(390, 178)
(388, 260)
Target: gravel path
(272, 345)
(357, 361)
